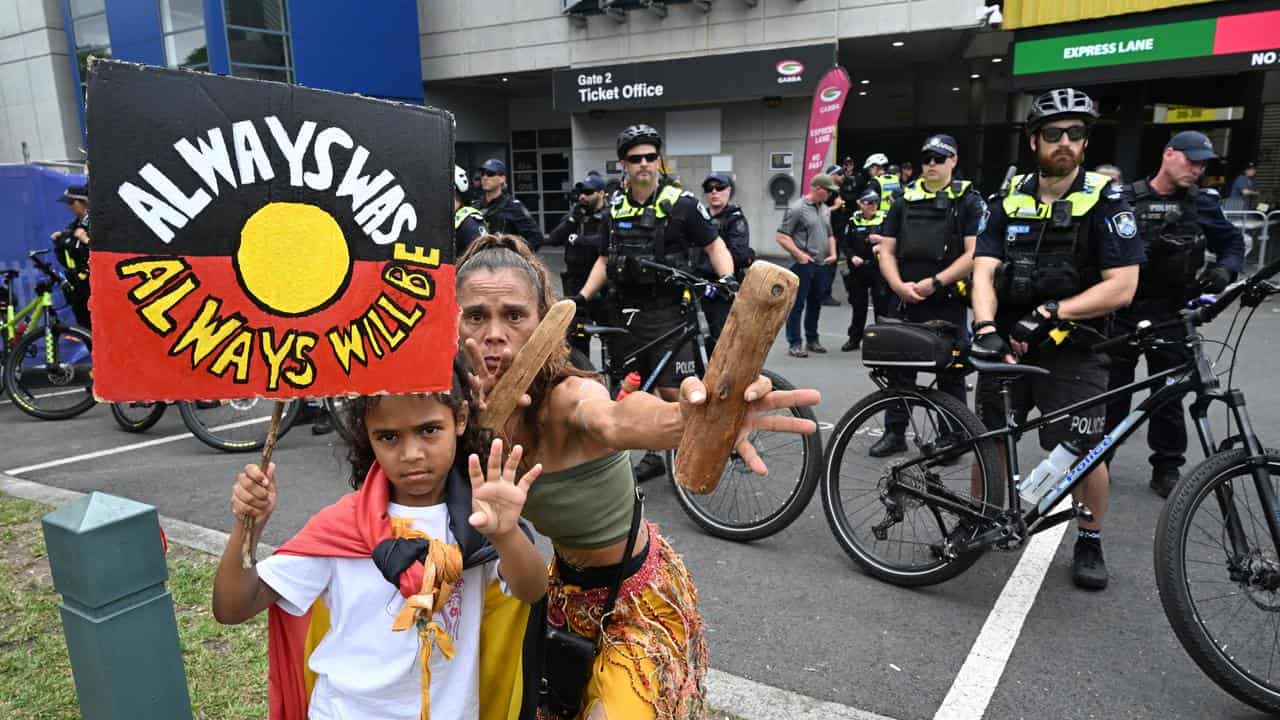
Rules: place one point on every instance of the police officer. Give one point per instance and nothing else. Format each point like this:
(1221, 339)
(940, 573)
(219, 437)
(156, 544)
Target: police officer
(468, 222)
(862, 279)
(906, 173)
(1177, 221)
(504, 214)
(581, 233)
(731, 225)
(926, 253)
(656, 221)
(1062, 245)
(885, 183)
(72, 246)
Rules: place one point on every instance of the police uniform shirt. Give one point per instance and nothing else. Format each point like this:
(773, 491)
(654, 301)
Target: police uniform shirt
(506, 214)
(72, 253)
(466, 232)
(736, 236)
(1221, 237)
(1113, 230)
(858, 236)
(971, 211)
(688, 223)
(580, 237)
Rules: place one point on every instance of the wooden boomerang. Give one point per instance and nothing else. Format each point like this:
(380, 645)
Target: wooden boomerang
(505, 396)
(711, 430)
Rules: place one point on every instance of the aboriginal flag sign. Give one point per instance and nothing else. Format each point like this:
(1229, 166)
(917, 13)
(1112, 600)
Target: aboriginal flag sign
(260, 239)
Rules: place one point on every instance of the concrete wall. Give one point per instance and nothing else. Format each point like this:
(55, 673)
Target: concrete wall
(37, 95)
(465, 38)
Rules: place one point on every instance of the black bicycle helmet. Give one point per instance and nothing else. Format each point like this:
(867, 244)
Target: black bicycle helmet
(1061, 104)
(638, 135)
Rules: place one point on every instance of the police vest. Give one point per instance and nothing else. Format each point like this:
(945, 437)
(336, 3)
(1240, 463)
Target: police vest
(1048, 252)
(929, 238)
(889, 184)
(461, 214)
(698, 256)
(1174, 241)
(859, 231)
(636, 232)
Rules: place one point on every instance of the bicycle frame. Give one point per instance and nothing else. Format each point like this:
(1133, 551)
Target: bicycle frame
(34, 310)
(686, 332)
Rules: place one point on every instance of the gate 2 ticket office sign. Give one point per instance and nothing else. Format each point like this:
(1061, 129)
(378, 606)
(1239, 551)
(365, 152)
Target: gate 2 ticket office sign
(259, 239)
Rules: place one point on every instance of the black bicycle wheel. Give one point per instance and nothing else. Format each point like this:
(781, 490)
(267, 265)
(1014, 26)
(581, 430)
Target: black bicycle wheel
(136, 417)
(339, 410)
(50, 373)
(235, 425)
(745, 506)
(1223, 601)
(891, 535)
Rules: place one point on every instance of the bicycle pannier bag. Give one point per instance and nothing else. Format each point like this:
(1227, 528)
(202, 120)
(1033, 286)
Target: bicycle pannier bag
(925, 347)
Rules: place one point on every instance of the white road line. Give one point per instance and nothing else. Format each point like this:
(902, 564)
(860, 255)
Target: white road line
(47, 395)
(738, 696)
(976, 682)
(127, 448)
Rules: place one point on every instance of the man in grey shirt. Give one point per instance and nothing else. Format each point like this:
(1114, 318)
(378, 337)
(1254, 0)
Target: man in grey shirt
(805, 233)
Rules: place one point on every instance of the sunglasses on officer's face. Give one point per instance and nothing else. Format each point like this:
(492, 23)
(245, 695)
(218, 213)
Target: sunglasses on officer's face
(714, 188)
(646, 157)
(933, 160)
(1075, 133)
(489, 173)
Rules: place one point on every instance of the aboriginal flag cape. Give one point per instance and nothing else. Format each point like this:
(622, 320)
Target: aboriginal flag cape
(351, 528)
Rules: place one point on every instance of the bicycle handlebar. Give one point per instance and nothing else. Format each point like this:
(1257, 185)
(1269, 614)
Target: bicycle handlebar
(689, 279)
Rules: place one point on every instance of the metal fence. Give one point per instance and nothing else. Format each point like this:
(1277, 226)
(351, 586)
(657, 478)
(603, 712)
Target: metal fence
(1256, 226)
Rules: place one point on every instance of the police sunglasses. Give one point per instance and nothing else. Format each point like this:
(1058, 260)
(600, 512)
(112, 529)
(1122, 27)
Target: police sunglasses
(489, 173)
(933, 160)
(646, 157)
(713, 187)
(1075, 133)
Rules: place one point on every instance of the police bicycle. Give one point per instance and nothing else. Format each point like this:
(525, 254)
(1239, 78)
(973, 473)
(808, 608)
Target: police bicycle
(228, 425)
(744, 506)
(45, 364)
(924, 517)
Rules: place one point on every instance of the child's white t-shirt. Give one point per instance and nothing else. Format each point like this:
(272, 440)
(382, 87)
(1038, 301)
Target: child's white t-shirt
(364, 668)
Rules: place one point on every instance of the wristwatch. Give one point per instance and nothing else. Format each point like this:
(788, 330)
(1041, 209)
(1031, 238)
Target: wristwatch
(937, 282)
(1051, 307)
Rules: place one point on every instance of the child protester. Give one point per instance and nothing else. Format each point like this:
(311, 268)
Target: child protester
(396, 576)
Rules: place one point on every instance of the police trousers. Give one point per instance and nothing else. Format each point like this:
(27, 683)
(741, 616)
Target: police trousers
(895, 419)
(1167, 433)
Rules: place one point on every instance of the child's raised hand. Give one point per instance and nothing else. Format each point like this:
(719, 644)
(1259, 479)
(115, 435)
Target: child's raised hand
(497, 498)
(254, 494)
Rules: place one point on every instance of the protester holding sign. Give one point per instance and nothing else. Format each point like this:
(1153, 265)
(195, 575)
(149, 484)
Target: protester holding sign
(652, 659)
(414, 523)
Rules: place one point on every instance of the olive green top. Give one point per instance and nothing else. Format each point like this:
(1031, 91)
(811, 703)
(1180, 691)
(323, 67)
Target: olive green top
(585, 506)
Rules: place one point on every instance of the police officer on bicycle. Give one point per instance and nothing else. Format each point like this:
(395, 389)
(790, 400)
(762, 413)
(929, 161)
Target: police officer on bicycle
(72, 246)
(926, 257)
(1177, 221)
(862, 279)
(581, 233)
(656, 221)
(731, 225)
(504, 214)
(1061, 247)
(468, 222)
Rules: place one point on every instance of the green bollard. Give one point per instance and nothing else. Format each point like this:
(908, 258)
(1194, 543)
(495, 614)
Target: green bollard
(108, 563)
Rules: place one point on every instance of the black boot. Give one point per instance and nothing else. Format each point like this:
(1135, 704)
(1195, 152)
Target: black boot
(1163, 480)
(851, 344)
(891, 444)
(650, 467)
(1088, 569)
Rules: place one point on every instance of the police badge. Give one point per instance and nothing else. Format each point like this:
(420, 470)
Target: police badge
(1124, 224)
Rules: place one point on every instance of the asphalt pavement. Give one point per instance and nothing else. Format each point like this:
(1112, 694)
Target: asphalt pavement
(792, 611)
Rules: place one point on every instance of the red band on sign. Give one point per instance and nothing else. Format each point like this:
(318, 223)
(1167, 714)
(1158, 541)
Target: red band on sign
(1247, 33)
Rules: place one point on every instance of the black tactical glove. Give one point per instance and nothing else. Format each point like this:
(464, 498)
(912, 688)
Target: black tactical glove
(1213, 280)
(396, 555)
(1032, 329)
(730, 282)
(578, 300)
(990, 347)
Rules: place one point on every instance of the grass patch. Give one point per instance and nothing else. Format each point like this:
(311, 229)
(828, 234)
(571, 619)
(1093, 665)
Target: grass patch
(226, 666)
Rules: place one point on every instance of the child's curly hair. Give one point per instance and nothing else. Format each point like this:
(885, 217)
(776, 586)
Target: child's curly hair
(473, 440)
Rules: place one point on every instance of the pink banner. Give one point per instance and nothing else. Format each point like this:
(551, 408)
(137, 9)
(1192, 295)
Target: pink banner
(828, 101)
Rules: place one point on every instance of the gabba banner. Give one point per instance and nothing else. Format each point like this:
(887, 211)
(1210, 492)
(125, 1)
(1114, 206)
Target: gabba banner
(261, 239)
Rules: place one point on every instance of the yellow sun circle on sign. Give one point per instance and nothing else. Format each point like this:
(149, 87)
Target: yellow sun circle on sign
(292, 258)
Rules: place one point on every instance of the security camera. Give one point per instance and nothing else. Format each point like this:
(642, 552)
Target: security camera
(989, 15)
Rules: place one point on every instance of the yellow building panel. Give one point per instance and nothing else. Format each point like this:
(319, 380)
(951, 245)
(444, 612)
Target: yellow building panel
(1031, 13)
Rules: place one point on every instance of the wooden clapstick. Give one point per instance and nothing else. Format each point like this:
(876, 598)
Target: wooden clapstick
(505, 396)
(758, 313)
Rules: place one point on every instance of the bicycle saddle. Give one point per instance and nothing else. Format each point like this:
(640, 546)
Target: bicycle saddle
(603, 330)
(1006, 369)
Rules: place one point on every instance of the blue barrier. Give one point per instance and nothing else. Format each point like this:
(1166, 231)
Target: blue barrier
(29, 212)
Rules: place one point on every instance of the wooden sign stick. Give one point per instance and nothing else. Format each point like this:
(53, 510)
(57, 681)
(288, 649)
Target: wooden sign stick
(505, 395)
(760, 309)
(248, 551)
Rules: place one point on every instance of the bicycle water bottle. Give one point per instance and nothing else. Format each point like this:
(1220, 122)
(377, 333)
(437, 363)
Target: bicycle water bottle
(1049, 471)
(630, 384)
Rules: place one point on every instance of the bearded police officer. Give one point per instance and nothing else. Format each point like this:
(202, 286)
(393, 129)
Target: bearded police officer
(1061, 245)
(581, 232)
(656, 221)
(72, 246)
(884, 183)
(926, 254)
(468, 222)
(731, 225)
(503, 214)
(1177, 222)
(862, 279)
